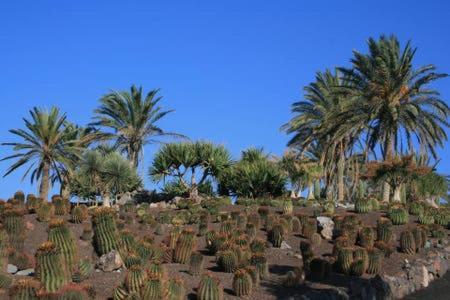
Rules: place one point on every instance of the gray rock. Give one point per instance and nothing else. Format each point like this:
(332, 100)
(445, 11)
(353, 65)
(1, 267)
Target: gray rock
(12, 269)
(26, 272)
(110, 261)
(326, 226)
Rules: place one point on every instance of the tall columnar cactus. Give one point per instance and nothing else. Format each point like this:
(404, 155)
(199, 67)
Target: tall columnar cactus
(4, 249)
(227, 261)
(14, 224)
(196, 263)
(407, 242)
(176, 289)
(288, 207)
(384, 230)
(25, 289)
(135, 278)
(362, 205)
(259, 261)
(345, 260)
(375, 259)
(50, 269)
(276, 235)
(105, 231)
(398, 216)
(366, 237)
(184, 247)
(45, 211)
(153, 289)
(62, 237)
(79, 214)
(209, 289)
(242, 283)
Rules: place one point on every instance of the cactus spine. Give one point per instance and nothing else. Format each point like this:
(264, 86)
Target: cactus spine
(50, 270)
(209, 289)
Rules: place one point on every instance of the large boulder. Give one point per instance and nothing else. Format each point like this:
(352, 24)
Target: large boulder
(326, 227)
(110, 261)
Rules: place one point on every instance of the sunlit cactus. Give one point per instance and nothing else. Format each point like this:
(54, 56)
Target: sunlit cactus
(62, 237)
(50, 268)
(209, 289)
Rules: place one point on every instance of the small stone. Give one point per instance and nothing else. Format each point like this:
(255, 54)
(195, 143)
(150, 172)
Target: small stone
(326, 226)
(285, 246)
(427, 245)
(153, 205)
(110, 261)
(26, 272)
(12, 269)
(29, 225)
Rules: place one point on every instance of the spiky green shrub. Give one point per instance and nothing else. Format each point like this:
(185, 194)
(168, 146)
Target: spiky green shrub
(426, 218)
(184, 247)
(375, 258)
(276, 235)
(384, 230)
(62, 205)
(366, 237)
(62, 237)
(153, 289)
(105, 231)
(50, 269)
(25, 289)
(319, 269)
(5, 280)
(362, 206)
(407, 242)
(176, 289)
(209, 289)
(345, 259)
(288, 207)
(79, 214)
(13, 223)
(306, 251)
(316, 239)
(135, 278)
(398, 216)
(416, 208)
(259, 261)
(228, 261)
(358, 268)
(83, 270)
(45, 212)
(242, 283)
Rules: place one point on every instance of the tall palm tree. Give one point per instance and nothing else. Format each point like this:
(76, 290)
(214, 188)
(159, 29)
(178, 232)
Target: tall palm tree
(311, 126)
(133, 118)
(45, 146)
(393, 100)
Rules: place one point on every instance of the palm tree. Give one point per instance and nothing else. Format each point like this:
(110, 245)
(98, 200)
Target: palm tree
(46, 146)
(393, 101)
(313, 130)
(133, 119)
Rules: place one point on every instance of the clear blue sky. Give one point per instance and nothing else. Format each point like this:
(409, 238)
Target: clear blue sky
(230, 69)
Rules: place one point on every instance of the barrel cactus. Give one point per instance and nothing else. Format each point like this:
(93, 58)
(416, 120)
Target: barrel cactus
(426, 218)
(153, 289)
(416, 208)
(184, 247)
(358, 268)
(316, 239)
(25, 289)
(384, 230)
(62, 205)
(79, 214)
(209, 289)
(135, 278)
(276, 235)
(196, 263)
(50, 269)
(13, 222)
(5, 280)
(306, 251)
(288, 207)
(398, 216)
(83, 270)
(242, 283)
(176, 289)
(375, 258)
(366, 237)
(345, 259)
(45, 212)
(362, 206)
(407, 242)
(62, 237)
(105, 230)
(228, 261)
(259, 261)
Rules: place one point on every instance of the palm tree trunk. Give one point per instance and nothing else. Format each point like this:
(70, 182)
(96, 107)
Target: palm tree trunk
(45, 181)
(389, 153)
(106, 200)
(341, 185)
(397, 194)
(310, 191)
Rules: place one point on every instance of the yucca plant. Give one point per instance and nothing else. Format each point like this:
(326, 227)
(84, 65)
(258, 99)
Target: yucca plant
(50, 268)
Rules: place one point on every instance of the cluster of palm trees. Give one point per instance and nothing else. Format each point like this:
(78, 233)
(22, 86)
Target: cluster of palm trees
(55, 150)
(382, 106)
